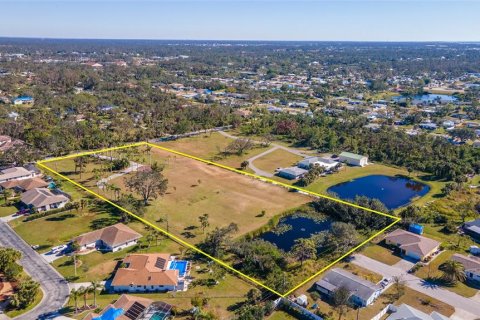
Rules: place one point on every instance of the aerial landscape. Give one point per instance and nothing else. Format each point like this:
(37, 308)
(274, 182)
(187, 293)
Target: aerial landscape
(217, 163)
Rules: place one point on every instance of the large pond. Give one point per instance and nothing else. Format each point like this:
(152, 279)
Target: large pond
(394, 192)
(427, 98)
(297, 227)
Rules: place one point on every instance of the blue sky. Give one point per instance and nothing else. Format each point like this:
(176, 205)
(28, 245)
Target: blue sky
(355, 20)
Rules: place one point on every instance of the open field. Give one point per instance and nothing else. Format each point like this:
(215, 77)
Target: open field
(277, 159)
(195, 188)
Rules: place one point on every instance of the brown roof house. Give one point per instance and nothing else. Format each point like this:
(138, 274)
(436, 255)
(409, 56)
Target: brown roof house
(412, 245)
(43, 199)
(110, 239)
(154, 272)
(132, 308)
(24, 184)
(470, 264)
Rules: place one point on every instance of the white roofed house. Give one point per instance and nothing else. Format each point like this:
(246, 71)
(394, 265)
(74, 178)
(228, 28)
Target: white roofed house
(309, 162)
(471, 266)
(43, 199)
(16, 173)
(291, 173)
(109, 239)
(353, 159)
(362, 292)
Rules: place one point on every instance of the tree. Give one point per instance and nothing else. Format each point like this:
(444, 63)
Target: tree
(453, 271)
(94, 287)
(80, 165)
(216, 240)
(410, 214)
(7, 194)
(304, 249)
(399, 286)
(244, 165)
(25, 294)
(148, 184)
(75, 294)
(254, 296)
(340, 300)
(204, 221)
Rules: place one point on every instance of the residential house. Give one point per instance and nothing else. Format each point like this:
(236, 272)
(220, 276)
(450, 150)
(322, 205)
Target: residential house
(362, 292)
(23, 185)
(16, 173)
(109, 239)
(291, 173)
(472, 228)
(412, 245)
(404, 312)
(6, 143)
(353, 159)
(43, 199)
(470, 264)
(133, 308)
(309, 162)
(154, 272)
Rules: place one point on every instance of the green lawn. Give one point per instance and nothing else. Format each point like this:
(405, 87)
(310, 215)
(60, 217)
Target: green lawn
(380, 253)
(6, 210)
(279, 158)
(431, 272)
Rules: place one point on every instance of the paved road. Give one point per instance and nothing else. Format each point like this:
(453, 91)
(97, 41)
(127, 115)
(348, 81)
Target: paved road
(274, 147)
(465, 308)
(55, 288)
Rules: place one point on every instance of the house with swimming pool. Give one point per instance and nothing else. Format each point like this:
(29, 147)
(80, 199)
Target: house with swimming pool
(153, 272)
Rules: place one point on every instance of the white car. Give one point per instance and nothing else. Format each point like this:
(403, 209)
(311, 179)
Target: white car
(58, 249)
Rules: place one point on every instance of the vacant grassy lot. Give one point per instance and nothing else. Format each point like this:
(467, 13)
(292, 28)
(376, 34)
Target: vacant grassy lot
(196, 188)
(279, 158)
(432, 273)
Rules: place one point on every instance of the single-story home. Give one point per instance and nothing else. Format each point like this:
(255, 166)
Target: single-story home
(7, 142)
(363, 292)
(16, 173)
(43, 199)
(309, 162)
(24, 184)
(472, 228)
(412, 245)
(404, 311)
(291, 173)
(353, 159)
(470, 264)
(109, 239)
(131, 307)
(153, 272)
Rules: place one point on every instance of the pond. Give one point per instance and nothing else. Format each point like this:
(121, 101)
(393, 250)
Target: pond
(427, 98)
(298, 227)
(394, 192)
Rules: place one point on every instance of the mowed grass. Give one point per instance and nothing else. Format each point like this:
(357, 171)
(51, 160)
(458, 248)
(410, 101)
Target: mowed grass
(380, 253)
(196, 188)
(6, 210)
(432, 272)
(278, 158)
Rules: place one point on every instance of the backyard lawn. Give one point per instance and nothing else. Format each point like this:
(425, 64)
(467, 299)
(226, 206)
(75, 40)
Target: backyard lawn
(6, 210)
(279, 158)
(431, 272)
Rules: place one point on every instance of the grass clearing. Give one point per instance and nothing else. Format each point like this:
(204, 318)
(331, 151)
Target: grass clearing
(278, 158)
(381, 253)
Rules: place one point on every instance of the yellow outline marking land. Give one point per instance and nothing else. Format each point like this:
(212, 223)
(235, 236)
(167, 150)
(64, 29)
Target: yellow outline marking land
(41, 163)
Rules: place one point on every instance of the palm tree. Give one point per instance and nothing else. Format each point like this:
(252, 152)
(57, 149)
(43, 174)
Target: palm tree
(7, 193)
(453, 271)
(75, 294)
(204, 221)
(94, 286)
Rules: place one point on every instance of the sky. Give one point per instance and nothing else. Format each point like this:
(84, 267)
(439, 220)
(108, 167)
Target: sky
(317, 20)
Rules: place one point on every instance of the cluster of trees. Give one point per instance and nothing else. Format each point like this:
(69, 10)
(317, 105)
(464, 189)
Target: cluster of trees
(26, 289)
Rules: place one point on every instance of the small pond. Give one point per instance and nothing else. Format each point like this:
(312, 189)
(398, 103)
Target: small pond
(394, 192)
(427, 98)
(298, 227)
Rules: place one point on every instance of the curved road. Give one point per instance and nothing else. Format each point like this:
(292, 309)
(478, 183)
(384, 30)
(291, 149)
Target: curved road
(54, 286)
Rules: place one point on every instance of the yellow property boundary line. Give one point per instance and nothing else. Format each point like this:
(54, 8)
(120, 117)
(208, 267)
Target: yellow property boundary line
(42, 163)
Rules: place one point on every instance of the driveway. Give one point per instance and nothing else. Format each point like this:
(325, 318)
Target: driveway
(54, 286)
(468, 308)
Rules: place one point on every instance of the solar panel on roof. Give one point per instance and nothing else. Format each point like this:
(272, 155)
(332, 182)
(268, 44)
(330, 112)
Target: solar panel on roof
(135, 311)
(160, 263)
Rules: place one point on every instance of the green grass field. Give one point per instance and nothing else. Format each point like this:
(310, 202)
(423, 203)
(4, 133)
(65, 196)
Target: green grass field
(279, 158)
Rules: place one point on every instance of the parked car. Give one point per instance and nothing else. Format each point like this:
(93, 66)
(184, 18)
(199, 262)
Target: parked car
(22, 212)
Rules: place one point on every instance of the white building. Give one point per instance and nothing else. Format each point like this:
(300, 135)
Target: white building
(353, 159)
(16, 173)
(309, 162)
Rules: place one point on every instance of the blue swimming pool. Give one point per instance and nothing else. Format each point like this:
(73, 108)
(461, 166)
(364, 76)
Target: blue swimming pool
(180, 265)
